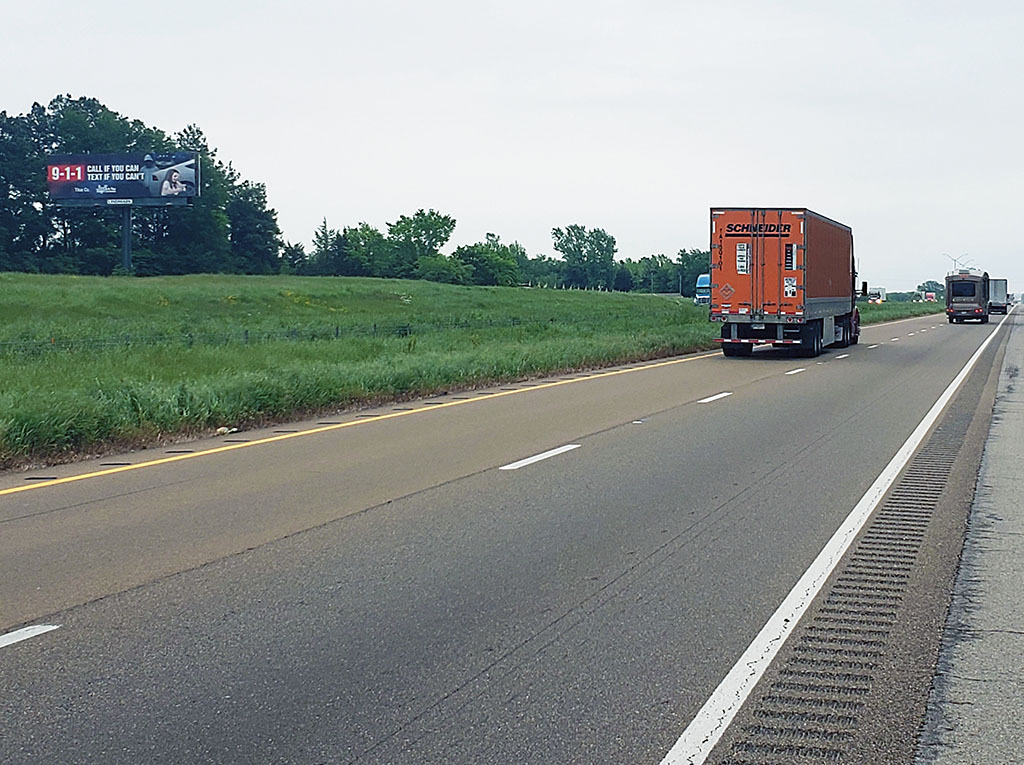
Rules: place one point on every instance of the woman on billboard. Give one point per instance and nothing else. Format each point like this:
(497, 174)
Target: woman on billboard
(172, 185)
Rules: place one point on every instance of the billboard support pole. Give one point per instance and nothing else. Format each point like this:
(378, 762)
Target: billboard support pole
(126, 239)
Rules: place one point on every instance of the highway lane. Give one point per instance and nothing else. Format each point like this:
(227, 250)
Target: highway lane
(578, 609)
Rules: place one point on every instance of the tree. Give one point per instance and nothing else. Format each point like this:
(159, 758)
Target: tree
(623, 278)
(334, 254)
(692, 263)
(542, 271)
(572, 243)
(26, 226)
(658, 274)
(600, 264)
(324, 242)
(197, 239)
(86, 240)
(589, 256)
(255, 236)
(228, 228)
(293, 258)
(416, 236)
(933, 286)
(491, 262)
(369, 248)
(440, 268)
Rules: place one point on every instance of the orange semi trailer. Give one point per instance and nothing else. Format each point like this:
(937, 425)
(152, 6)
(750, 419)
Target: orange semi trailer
(782, 277)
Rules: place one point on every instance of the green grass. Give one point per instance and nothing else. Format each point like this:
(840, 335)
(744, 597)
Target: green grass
(873, 313)
(94, 363)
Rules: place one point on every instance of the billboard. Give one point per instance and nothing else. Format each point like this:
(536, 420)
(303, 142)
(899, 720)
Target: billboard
(155, 179)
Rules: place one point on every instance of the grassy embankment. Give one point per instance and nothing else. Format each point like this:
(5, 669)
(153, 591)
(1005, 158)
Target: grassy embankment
(876, 313)
(91, 363)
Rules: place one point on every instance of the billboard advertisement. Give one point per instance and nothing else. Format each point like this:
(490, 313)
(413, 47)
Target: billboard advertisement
(167, 178)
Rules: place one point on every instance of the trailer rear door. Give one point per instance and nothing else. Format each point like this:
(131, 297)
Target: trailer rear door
(757, 257)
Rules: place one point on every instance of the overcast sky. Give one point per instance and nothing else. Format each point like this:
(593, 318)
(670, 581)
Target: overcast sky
(903, 120)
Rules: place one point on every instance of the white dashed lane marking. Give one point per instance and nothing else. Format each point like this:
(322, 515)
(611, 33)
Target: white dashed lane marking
(717, 396)
(25, 633)
(538, 457)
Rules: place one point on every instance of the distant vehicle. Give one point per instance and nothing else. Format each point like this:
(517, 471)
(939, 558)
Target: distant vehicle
(998, 299)
(929, 297)
(784, 277)
(967, 294)
(702, 292)
(876, 294)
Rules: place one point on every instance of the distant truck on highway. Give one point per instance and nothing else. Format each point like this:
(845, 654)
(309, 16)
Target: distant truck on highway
(967, 296)
(998, 299)
(702, 290)
(876, 294)
(784, 277)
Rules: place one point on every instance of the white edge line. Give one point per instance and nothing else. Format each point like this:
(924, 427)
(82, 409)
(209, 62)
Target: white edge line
(717, 396)
(796, 371)
(25, 633)
(539, 457)
(718, 711)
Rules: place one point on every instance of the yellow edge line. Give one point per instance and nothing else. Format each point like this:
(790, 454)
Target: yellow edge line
(339, 426)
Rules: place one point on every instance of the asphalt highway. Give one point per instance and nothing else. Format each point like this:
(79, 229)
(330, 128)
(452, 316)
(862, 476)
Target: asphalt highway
(403, 585)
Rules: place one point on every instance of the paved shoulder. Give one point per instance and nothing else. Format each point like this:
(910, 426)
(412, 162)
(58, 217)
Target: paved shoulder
(978, 694)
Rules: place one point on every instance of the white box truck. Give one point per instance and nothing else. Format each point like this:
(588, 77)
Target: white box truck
(998, 299)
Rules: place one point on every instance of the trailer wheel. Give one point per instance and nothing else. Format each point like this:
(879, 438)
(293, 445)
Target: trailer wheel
(845, 333)
(811, 337)
(950, 319)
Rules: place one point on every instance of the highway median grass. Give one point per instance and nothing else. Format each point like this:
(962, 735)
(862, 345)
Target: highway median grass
(92, 364)
(875, 313)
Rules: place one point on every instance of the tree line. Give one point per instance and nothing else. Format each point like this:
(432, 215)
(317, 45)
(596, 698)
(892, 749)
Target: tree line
(230, 227)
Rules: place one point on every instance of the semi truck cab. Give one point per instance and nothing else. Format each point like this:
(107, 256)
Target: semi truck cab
(702, 290)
